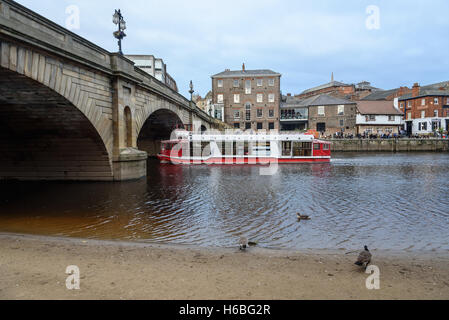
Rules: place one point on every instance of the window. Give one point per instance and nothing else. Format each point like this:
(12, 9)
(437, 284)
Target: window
(423, 114)
(259, 82)
(259, 98)
(271, 97)
(342, 123)
(391, 118)
(220, 83)
(302, 149)
(248, 112)
(341, 110)
(321, 111)
(220, 98)
(236, 98)
(271, 113)
(370, 118)
(402, 104)
(435, 113)
(271, 82)
(410, 104)
(259, 126)
(237, 125)
(271, 126)
(236, 83)
(423, 102)
(321, 127)
(447, 101)
(236, 114)
(248, 126)
(248, 87)
(409, 116)
(259, 113)
(422, 126)
(436, 101)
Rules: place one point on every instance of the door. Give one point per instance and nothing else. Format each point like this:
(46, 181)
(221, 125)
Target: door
(408, 128)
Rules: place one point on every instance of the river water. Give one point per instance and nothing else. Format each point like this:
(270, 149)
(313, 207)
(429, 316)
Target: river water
(386, 201)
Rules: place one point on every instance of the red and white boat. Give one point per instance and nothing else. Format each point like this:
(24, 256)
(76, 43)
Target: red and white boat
(243, 148)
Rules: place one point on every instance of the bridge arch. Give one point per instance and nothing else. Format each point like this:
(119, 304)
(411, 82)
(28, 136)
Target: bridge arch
(158, 127)
(46, 130)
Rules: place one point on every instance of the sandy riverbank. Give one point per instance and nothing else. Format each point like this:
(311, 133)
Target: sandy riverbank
(33, 267)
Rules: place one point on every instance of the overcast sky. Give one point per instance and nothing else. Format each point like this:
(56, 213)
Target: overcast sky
(305, 41)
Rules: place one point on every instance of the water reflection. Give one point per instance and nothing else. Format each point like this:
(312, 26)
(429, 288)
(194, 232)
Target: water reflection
(383, 200)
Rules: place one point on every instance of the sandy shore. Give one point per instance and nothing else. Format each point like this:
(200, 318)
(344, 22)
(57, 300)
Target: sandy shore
(33, 267)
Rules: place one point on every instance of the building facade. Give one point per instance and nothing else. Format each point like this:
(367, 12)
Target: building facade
(426, 109)
(330, 115)
(294, 116)
(250, 99)
(378, 117)
(154, 67)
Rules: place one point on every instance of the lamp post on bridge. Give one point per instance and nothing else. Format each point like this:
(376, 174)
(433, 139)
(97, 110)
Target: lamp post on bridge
(191, 90)
(117, 19)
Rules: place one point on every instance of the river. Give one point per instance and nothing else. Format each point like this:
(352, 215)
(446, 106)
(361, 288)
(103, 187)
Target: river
(386, 201)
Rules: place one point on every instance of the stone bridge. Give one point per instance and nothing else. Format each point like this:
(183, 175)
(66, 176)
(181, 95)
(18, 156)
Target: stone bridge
(70, 110)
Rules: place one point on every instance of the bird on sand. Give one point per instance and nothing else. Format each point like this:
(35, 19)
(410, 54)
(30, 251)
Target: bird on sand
(364, 258)
(243, 243)
(302, 217)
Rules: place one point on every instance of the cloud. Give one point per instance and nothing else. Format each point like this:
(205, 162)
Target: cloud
(303, 40)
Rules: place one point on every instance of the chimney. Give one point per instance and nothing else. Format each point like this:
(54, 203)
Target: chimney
(332, 77)
(402, 91)
(289, 94)
(243, 68)
(415, 90)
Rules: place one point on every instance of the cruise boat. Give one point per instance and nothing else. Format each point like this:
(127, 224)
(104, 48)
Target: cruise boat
(243, 148)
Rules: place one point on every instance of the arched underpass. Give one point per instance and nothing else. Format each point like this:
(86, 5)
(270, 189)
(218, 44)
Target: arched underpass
(45, 137)
(157, 128)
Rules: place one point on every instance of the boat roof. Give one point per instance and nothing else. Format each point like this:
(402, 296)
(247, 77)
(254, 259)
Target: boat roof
(184, 135)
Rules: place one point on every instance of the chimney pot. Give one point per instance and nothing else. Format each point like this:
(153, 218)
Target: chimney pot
(243, 67)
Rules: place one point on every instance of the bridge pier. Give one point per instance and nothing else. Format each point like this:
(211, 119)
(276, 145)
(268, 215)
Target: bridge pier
(131, 164)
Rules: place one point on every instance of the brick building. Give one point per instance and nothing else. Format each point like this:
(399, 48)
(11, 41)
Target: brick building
(329, 115)
(250, 98)
(426, 109)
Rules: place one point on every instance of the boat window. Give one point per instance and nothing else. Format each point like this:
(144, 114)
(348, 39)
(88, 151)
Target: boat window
(226, 148)
(316, 146)
(302, 149)
(205, 147)
(326, 146)
(262, 148)
(286, 148)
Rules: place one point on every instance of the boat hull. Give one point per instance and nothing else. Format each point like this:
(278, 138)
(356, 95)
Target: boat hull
(242, 161)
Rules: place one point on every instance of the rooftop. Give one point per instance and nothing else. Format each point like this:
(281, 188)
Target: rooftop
(377, 108)
(327, 85)
(246, 73)
(318, 100)
(426, 93)
(380, 95)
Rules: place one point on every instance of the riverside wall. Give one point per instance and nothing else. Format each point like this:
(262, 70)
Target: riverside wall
(390, 145)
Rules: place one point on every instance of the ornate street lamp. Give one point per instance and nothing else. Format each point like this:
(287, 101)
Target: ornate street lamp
(117, 19)
(191, 90)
